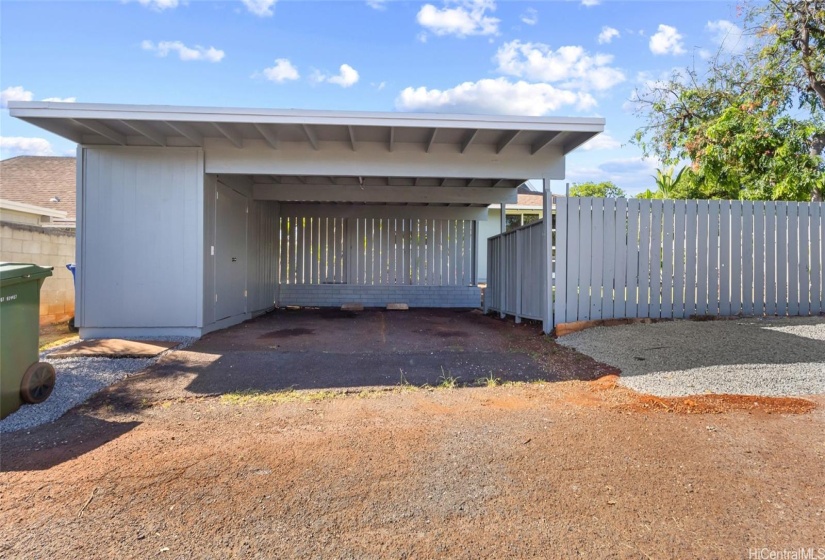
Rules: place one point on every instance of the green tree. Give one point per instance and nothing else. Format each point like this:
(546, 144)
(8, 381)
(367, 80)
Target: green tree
(605, 189)
(752, 124)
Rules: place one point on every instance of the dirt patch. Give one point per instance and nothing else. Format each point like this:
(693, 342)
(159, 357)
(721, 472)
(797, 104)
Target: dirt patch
(286, 333)
(509, 471)
(717, 404)
(516, 470)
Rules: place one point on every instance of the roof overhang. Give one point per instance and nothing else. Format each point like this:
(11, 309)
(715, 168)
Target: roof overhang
(161, 125)
(317, 156)
(31, 209)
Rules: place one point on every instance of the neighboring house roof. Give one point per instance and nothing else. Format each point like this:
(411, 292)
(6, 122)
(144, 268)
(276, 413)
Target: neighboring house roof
(530, 200)
(47, 182)
(527, 202)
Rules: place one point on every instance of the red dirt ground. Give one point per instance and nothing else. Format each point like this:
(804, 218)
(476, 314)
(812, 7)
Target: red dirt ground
(539, 470)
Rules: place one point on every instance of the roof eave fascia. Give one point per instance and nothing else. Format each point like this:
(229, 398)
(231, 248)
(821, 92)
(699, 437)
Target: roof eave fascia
(41, 109)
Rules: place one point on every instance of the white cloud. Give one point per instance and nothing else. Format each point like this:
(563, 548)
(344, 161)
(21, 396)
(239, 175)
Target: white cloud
(572, 66)
(11, 146)
(346, 77)
(281, 72)
(729, 36)
(530, 16)
(160, 5)
(633, 174)
(14, 93)
(377, 4)
(667, 40)
(163, 48)
(602, 142)
(460, 18)
(590, 3)
(61, 99)
(261, 8)
(499, 96)
(608, 34)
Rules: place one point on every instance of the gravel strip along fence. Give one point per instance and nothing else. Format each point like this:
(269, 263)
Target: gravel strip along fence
(76, 380)
(771, 356)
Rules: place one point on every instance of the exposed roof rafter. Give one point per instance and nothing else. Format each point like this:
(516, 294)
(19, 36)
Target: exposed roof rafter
(186, 131)
(542, 142)
(432, 140)
(506, 139)
(311, 136)
(469, 140)
(270, 135)
(230, 133)
(352, 140)
(103, 130)
(148, 131)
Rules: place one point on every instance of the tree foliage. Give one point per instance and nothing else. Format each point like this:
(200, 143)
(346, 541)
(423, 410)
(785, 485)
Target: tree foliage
(752, 124)
(605, 189)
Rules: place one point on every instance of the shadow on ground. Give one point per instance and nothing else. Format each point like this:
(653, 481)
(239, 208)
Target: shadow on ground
(331, 349)
(52, 444)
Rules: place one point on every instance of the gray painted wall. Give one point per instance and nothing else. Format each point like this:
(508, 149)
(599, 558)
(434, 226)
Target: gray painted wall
(140, 239)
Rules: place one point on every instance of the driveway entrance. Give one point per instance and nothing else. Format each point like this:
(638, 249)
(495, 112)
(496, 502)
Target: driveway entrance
(334, 349)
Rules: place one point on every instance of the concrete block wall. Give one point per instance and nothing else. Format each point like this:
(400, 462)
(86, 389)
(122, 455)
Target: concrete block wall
(45, 247)
(335, 295)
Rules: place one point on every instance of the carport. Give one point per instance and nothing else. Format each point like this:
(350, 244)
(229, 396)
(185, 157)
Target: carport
(194, 219)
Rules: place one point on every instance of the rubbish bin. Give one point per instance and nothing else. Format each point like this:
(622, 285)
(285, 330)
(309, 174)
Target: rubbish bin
(23, 379)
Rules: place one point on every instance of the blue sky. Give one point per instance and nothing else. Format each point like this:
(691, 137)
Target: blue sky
(567, 58)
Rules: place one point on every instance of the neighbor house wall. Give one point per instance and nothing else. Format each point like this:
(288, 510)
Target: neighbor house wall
(140, 268)
(45, 247)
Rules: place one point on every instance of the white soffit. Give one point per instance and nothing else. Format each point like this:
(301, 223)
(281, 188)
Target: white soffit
(149, 125)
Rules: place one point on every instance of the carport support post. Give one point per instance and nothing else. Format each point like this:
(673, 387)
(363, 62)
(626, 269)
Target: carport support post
(502, 257)
(547, 269)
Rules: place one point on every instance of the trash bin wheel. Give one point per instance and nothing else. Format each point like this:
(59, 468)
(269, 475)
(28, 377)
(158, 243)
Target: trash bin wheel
(38, 382)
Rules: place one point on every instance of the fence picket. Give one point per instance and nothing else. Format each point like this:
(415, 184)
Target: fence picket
(560, 286)
(691, 233)
(573, 256)
(645, 213)
(713, 257)
(735, 268)
(747, 257)
(804, 261)
(620, 259)
(667, 282)
(609, 235)
(679, 260)
(793, 258)
(585, 247)
(596, 261)
(725, 240)
(781, 258)
(817, 233)
(633, 252)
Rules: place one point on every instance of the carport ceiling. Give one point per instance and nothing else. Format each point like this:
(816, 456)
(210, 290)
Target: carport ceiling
(140, 125)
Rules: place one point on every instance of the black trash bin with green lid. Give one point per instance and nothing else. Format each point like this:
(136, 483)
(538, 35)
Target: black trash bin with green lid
(23, 379)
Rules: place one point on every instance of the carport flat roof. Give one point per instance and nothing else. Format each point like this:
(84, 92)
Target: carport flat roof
(163, 125)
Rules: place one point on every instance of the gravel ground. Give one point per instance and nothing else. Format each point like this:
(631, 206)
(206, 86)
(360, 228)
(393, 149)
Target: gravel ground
(77, 379)
(770, 357)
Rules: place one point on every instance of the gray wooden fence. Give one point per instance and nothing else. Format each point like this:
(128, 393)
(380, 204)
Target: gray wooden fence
(617, 258)
(514, 272)
(661, 259)
(376, 251)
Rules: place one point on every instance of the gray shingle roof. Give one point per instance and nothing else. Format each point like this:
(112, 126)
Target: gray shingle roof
(37, 180)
